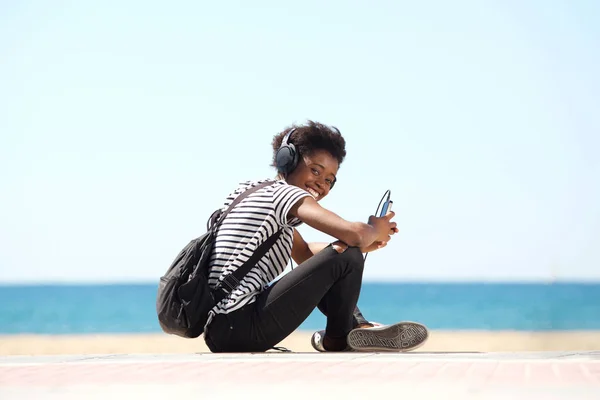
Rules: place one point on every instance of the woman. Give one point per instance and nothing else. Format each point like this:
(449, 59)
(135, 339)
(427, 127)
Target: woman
(263, 311)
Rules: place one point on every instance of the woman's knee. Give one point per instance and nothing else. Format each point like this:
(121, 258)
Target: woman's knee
(353, 255)
(356, 255)
(339, 246)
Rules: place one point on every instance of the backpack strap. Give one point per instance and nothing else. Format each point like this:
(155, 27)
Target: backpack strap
(232, 280)
(217, 217)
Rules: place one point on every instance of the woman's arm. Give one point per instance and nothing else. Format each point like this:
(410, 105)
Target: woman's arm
(356, 234)
(302, 251)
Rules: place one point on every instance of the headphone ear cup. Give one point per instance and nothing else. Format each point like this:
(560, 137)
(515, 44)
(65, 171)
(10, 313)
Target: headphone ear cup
(294, 156)
(286, 159)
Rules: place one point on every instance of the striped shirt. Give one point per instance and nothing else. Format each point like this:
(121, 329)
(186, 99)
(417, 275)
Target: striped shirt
(250, 223)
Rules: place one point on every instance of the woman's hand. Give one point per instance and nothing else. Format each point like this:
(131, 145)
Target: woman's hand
(389, 230)
(374, 246)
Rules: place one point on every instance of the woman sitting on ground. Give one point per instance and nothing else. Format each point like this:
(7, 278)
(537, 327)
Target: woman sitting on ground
(262, 311)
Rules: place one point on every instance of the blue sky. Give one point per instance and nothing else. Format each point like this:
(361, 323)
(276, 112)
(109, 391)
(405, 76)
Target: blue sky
(123, 125)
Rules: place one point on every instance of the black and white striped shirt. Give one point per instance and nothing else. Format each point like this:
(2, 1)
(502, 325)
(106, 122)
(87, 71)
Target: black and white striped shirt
(249, 224)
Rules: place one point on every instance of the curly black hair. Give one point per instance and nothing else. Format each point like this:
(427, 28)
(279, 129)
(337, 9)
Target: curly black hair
(310, 137)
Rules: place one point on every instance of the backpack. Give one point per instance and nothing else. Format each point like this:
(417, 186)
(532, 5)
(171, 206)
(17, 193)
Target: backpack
(184, 298)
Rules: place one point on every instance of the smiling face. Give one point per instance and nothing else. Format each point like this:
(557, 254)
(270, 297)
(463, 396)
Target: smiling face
(315, 173)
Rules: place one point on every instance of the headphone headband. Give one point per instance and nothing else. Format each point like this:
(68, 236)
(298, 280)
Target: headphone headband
(284, 142)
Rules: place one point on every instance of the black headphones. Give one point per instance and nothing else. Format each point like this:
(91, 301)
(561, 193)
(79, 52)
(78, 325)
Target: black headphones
(287, 156)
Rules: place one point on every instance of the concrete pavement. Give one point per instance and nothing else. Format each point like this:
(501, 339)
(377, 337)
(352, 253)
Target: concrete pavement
(535, 375)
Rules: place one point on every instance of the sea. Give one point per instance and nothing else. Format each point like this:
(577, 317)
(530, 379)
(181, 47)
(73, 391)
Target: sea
(130, 308)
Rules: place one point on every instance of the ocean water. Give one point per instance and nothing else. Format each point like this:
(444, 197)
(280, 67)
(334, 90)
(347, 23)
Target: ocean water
(74, 309)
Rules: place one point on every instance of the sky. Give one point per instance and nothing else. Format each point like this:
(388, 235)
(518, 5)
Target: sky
(124, 124)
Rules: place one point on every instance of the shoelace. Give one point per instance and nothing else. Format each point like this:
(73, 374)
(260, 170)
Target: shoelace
(282, 349)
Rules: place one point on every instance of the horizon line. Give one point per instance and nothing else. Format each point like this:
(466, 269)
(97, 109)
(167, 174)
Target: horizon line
(367, 281)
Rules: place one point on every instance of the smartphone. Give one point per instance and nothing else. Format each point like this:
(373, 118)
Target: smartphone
(387, 206)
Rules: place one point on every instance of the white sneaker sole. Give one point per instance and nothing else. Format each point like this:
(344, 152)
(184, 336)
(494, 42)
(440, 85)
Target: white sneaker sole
(317, 338)
(403, 336)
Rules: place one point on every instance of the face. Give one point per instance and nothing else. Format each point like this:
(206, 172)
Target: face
(315, 173)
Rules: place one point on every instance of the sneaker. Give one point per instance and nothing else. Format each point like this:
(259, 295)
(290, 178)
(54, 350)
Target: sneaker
(317, 341)
(403, 336)
(317, 338)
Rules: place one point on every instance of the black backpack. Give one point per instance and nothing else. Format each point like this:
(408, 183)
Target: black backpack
(184, 297)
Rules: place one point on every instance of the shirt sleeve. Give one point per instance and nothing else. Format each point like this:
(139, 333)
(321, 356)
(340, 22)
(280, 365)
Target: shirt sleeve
(284, 198)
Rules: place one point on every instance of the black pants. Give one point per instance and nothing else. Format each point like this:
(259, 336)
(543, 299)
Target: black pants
(328, 280)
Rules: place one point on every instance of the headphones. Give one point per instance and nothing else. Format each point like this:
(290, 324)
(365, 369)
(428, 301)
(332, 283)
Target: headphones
(286, 158)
